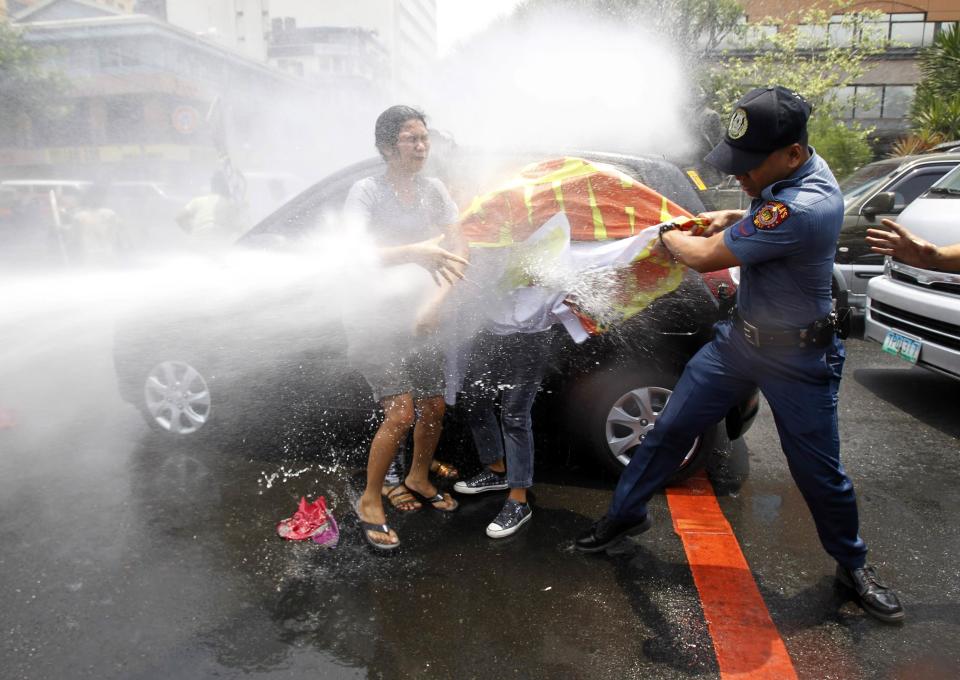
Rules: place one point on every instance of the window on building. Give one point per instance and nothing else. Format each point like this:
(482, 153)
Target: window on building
(844, 97)
(897, 100)
(760, 33)
(904, 29)
(812, 34)
(905, 17)
(115, 56)
(65, 124)
(868, 101)
(874, 101)
(910, 33)
(125, 120)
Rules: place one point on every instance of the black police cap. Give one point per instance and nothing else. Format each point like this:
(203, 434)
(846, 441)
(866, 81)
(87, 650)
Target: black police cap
(764, 120)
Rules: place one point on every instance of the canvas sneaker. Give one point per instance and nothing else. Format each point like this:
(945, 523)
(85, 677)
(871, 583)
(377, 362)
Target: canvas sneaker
(488, 480)
(512, 516)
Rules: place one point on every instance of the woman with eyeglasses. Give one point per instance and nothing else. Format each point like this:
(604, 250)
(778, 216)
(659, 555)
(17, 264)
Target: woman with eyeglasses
(398, 353)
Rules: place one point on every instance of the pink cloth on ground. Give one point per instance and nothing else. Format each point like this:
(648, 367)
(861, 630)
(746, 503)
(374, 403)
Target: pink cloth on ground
(311, 520)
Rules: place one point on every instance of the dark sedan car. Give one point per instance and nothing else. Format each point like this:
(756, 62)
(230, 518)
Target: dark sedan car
(247, 360)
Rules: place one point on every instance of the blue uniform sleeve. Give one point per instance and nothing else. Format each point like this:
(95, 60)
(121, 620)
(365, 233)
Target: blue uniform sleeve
(771, 232)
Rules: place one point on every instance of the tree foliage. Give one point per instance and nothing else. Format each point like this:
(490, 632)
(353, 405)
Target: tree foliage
(844, 147)
(936, 108)
(818, 61)
(25, 85)
(694, 27)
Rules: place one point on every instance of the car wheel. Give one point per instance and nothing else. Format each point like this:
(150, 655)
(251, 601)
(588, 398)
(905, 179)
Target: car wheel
(176, 399)
(623, 406)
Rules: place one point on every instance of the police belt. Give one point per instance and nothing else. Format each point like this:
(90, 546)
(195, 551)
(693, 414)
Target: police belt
(818, 334)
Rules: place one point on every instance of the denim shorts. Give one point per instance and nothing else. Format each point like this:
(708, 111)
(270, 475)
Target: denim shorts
(419, 373)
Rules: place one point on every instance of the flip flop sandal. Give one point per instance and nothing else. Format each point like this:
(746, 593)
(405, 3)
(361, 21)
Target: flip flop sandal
(400, 495)
(380, 528)
(438, 498)
(444, 470)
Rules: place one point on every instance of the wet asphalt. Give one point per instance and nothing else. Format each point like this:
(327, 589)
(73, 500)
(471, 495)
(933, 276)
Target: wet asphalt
(124, 556)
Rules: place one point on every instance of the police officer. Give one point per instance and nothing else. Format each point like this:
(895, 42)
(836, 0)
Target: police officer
(781, 337)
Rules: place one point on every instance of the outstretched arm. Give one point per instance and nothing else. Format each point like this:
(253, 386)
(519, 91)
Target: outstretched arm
(441, 263)
(909, 248)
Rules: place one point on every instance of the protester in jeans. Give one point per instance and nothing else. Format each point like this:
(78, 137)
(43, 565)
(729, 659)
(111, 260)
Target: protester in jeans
(510, 366)
(406, 214)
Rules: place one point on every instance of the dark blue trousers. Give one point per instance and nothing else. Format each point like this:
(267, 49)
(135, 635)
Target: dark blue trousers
(801, 387)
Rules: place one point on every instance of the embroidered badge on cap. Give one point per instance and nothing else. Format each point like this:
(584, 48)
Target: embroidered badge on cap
(738, 124)
(770, 215)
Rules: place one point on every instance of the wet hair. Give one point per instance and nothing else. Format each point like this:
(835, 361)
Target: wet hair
(387, 129)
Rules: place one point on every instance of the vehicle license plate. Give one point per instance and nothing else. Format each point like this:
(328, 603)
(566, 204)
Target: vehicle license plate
(906, 347)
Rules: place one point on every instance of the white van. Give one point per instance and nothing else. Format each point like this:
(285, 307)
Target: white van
(915, 313)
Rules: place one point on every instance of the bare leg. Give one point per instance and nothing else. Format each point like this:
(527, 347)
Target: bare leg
(518, 495)
(397, 420)
(426, 436)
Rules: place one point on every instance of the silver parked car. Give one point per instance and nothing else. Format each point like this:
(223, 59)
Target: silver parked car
(879, 190)
(915, 312)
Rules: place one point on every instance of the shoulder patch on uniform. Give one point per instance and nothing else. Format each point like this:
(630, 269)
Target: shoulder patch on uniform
(770, 215)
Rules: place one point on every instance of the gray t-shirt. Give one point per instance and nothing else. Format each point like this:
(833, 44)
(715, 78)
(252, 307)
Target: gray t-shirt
(392, 223)
(385, 302)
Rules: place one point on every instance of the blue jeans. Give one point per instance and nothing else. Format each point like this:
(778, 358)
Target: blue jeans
(510, 367)
(801, 387)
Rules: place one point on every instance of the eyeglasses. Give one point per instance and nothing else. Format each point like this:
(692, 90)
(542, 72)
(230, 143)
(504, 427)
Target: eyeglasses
(413, 140)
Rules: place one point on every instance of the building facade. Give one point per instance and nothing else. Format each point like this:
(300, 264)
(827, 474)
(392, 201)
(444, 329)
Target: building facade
(882, 97)
(242, 25)
(407, 30)
(351, 59)
(238, 24)
(142, 98)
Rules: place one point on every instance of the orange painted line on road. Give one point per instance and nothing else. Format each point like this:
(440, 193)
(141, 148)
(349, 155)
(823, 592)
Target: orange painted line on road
(747, 644)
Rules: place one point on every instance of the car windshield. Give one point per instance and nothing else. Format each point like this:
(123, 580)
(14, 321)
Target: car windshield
(865, 179)
(949, 184)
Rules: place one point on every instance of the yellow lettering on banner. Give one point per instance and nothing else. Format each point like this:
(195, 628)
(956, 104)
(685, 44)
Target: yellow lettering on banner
(632, 216)
(599, 231)
(558, 193)
(665, 215)
(528, 202)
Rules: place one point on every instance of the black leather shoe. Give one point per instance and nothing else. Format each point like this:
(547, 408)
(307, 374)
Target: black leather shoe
(606, 532)
(875, 598)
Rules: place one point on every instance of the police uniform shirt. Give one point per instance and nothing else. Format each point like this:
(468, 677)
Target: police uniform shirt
(786, 244)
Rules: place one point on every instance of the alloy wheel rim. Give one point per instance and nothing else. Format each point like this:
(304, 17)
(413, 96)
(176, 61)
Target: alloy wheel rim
(632, 417)
(177, 397)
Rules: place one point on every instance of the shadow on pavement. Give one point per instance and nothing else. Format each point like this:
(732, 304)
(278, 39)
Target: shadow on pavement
(927, 396)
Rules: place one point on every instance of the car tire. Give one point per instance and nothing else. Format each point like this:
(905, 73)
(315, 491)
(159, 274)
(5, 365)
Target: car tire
(176, 399)
(619, 406)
